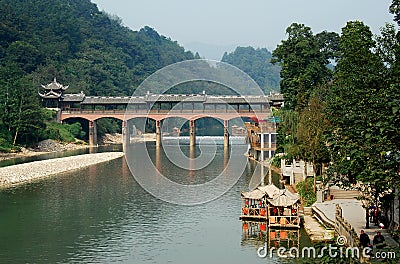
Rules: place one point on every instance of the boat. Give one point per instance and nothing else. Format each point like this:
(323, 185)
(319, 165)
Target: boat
(277, 207)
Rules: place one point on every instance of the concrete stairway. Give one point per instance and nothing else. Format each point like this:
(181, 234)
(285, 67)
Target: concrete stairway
(298, 177)
(344, 194)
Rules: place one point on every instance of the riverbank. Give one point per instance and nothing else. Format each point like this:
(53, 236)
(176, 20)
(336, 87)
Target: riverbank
(52, 146)
(27, 172)
(44, 147)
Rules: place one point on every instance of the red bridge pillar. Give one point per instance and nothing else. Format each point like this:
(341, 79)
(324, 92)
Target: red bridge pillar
(192, 140)
(126, 134)
(158, 133)
(92, 133)
(226, 133)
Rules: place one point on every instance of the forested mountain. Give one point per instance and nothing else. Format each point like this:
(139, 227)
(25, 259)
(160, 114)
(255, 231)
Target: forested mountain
(257, 64)
(84, 48)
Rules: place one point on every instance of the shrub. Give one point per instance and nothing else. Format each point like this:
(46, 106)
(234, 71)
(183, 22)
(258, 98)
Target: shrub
(61, 132)
(306, 191)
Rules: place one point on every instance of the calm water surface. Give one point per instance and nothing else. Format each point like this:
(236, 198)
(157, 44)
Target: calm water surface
(102, 215)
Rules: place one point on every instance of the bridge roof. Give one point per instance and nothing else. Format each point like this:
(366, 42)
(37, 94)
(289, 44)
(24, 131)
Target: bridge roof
(73, 97)
(106, 100)
(170, 98)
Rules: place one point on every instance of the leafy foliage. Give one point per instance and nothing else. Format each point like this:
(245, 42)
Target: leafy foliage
(84, 48)
(306, 192)
(107, 125)
(304, 58)
(364, 141)
(63, 132)
(257, 64)
(350, 117)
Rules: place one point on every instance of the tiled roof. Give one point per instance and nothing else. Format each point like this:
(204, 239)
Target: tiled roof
(173, 98)
(73, 97)
(55, 86)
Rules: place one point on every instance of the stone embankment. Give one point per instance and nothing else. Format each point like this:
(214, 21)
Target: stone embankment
(50, 145)
(31, 171)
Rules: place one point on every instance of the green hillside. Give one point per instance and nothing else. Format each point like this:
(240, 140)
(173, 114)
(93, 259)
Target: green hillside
(84, 48)
(257, 64)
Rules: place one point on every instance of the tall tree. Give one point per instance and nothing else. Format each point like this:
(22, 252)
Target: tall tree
(395, 10)
(358, 111)
(312, 126)
(20, 112)
(304, 58)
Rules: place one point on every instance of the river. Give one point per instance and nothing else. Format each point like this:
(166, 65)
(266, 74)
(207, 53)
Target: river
(102, 215)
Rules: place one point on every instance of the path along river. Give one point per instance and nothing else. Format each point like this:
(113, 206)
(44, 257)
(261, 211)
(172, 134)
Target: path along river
(100, 214)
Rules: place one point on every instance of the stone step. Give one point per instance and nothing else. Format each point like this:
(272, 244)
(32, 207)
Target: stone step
(344, 194)
(298, 177)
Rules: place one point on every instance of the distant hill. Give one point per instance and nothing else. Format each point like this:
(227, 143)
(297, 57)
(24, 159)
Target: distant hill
(210, 51)
(84, 48)
(257, 64)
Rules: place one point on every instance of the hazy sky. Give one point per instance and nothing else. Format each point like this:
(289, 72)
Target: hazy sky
(258, 23)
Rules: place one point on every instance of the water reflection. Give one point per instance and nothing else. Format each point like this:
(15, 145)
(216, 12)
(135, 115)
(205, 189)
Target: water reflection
(101, 215)
(257, 234)
(187, 175)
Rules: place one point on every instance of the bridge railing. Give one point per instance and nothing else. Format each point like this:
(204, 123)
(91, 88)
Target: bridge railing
(157, 111)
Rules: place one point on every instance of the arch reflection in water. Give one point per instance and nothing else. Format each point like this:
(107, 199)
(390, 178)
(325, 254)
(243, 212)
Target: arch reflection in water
(195, 186)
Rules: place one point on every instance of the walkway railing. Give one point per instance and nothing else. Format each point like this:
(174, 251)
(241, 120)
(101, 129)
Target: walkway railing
(344, 229)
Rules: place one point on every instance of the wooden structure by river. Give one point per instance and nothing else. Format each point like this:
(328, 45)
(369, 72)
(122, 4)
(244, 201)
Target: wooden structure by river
(277, 207)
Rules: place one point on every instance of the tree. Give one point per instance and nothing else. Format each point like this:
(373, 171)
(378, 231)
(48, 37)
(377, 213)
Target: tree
(395, 10)
(20, 110)
(257, 64)
(312, 126)
(360, 112)
(26, 117)
(83, 47)
(304, 59)
(386, 45)
(287, 133)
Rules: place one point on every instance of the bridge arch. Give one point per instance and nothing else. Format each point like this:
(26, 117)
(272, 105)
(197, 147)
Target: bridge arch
(141, 124)
(82, 121)
(115, 117)
(108, 129)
